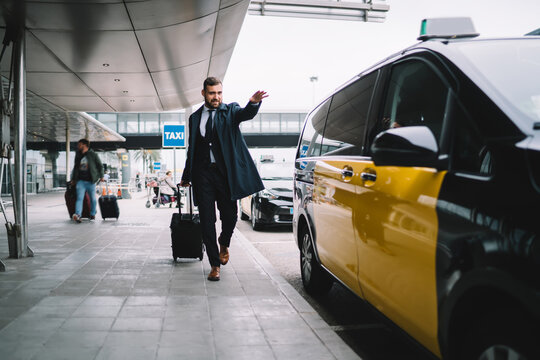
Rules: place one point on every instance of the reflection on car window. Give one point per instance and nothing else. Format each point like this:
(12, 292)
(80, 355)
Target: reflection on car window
(310, 145)
(470, 152)
(347, 118)
(416, 95)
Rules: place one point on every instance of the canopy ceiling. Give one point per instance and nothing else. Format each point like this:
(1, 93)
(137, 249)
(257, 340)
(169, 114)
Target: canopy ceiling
(131, 55)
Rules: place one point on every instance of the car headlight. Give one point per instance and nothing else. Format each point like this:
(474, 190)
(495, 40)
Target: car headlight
(267, 195)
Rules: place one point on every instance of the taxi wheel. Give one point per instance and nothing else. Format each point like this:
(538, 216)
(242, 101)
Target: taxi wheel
(255, 224)
(503, 333)
(315, 279)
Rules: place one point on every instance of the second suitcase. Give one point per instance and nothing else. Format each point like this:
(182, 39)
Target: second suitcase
(186, 235)
(108, 205)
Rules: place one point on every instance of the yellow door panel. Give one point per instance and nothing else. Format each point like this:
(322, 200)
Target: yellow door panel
(397, 226)
(334, 198)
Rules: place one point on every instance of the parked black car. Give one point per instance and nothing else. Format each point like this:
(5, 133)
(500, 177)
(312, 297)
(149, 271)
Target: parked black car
(273, 205)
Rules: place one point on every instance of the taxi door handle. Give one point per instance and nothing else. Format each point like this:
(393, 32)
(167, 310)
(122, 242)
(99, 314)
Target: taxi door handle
(347, 173)
(368, 176)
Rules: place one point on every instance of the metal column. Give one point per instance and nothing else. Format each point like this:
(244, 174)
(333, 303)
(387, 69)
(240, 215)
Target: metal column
(189, 111)
(19, 116)
(68, 170)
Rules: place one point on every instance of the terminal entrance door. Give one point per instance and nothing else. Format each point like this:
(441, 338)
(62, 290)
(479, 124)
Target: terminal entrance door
(31, 178)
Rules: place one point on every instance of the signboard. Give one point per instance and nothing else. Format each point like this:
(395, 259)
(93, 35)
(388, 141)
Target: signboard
(173, 136)
(157, 165)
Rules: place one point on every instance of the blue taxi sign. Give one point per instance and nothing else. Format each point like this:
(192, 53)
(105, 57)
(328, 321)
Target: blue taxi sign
(174, 136)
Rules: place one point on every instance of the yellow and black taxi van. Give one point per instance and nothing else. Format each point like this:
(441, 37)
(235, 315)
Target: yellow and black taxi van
(417, 186)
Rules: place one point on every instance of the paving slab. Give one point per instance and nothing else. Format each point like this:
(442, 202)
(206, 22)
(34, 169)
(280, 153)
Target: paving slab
(111, 290)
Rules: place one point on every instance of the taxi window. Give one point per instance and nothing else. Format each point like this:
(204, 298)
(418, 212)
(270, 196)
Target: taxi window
(311, 141)
(415, 95)
(347, 118)
(470, 151)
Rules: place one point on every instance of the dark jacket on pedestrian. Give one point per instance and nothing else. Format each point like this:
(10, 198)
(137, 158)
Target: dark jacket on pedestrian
(95, 166)
(242, 174)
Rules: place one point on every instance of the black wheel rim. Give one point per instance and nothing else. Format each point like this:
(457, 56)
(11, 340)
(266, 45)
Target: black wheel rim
(307, 256)
(501, 352)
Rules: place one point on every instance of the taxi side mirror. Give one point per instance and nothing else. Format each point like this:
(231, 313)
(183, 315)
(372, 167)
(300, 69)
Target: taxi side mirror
(406, 146)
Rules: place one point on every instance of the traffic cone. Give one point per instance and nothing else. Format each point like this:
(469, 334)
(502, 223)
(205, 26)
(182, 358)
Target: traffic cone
(104, 192)
(110, 192)
(119, 193)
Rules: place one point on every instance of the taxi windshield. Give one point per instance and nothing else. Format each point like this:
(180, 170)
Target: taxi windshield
(512, 68)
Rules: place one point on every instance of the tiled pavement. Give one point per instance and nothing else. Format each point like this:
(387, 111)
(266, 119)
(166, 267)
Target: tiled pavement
(110, 290)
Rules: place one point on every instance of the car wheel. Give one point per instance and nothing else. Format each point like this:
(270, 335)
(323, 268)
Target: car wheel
(255, 224)
(501, 352)
(315, 279)
(502, 333)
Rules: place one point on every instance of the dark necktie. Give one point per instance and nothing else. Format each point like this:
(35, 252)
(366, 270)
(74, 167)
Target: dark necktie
(208, 133)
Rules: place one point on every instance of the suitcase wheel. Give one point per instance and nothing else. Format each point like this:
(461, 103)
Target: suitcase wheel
(200, 258)
(148, 204)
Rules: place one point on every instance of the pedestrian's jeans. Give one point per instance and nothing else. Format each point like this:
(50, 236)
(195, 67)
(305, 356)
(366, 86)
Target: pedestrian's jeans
(82, 187)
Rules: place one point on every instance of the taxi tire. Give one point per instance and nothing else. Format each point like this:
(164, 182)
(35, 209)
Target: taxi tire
(315, 279)
(502, 334)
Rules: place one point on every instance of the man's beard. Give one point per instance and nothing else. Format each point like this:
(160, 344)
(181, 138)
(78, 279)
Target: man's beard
(211, 106)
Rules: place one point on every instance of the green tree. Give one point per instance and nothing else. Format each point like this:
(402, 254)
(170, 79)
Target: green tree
(148, 157)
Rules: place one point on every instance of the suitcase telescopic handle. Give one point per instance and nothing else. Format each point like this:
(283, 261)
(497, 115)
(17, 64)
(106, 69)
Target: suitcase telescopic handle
(190, 199)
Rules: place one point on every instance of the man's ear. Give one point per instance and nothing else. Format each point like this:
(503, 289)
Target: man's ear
(202, 92)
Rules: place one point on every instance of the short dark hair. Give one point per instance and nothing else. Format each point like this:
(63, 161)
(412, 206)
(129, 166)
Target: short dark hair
(211, 81)
(85, 142)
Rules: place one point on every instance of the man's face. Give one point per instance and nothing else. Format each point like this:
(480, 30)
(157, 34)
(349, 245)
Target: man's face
(213, 96)
(81, 147)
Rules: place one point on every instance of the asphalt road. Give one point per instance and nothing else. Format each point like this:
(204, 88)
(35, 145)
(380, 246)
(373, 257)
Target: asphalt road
(358, 325)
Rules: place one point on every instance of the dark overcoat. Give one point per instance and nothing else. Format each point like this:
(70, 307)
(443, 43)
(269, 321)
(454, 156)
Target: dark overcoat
(242, 174)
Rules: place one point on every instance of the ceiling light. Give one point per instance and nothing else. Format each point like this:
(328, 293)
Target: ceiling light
(125, 91)
(106, 65)
(117, 80)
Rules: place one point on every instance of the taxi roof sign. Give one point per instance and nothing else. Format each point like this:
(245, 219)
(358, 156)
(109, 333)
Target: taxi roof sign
(447, 28)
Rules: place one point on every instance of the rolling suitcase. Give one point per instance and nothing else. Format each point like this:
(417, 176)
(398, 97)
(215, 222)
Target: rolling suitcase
(71, 198)
(186, 233)
(108, 206)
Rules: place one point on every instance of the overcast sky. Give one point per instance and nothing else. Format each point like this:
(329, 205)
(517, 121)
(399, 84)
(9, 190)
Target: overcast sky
(280, 55)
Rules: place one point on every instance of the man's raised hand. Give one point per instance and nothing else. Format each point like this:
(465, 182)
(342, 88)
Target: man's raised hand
(258, 96)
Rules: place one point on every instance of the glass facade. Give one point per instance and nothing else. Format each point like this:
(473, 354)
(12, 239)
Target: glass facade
(152, 123)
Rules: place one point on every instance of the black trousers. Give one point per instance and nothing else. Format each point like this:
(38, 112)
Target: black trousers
(210, 187)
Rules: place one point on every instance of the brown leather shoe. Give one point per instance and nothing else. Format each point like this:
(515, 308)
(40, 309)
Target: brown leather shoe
(223, 254)
(214, 274)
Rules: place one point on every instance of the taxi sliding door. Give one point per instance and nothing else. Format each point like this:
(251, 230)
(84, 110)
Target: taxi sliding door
(396, 215)
(337, 176)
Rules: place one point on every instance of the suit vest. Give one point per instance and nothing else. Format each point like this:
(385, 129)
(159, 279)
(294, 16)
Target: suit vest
(202, 153)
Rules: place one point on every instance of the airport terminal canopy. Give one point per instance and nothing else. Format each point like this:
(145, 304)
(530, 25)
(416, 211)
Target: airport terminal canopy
(122, 56)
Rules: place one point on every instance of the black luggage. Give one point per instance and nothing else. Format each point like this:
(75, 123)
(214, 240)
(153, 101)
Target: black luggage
(108, 206)
(71, 198)
(186, 233)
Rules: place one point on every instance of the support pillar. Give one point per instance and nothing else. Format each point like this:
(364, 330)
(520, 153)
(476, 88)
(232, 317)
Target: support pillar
(68, 169)
(19, 116)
